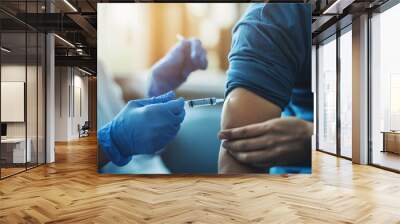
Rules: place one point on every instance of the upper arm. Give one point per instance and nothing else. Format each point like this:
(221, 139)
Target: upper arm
(243, 107)
(270, 48)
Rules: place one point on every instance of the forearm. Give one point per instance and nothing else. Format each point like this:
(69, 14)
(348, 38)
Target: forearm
(243, 107)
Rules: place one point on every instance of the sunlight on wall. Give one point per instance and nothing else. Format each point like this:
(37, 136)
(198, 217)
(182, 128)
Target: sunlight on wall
(132, 37)
(121, 35)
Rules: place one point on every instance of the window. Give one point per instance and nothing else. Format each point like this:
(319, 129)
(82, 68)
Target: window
(22, 77)
(385, 88)
(346, 93)
(327, 96)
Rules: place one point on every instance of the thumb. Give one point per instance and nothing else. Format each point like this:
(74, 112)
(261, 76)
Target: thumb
(175, 106)
(165, 97)
(159, 99)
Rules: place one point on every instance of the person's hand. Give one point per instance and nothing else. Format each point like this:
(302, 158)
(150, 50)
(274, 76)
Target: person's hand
(146, 126)
(173, 69)
(280, 141)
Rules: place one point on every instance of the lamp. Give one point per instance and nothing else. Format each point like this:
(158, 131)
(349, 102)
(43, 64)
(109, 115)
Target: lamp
(84, 71)
(70, 5)
(5, 50)
(65, 41)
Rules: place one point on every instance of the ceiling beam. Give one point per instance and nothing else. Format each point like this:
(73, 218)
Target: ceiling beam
(86, 27)
(79, 61)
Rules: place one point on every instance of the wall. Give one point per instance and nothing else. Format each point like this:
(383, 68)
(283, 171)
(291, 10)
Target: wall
(14, 73)
(17, 73)
(92, 99)
(33, 127)
(71, 102)
(129, 34)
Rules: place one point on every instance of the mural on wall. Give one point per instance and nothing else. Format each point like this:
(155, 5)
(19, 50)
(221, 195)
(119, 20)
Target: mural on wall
(178, 95)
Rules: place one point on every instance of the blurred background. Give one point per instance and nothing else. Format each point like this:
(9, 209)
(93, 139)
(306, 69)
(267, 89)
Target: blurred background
(132, 37)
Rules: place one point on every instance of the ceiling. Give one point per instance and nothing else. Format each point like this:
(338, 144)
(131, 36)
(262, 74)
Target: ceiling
(76, 22)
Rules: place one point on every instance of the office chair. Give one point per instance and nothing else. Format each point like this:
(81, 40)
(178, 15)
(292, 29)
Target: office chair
(84, 130)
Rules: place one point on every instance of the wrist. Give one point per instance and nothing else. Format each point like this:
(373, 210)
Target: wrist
(309, 128)
(109, 147)
(158, 85)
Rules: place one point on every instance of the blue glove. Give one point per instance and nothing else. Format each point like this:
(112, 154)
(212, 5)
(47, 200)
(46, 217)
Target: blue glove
(142, 127)
(174, 68)
(279, 170)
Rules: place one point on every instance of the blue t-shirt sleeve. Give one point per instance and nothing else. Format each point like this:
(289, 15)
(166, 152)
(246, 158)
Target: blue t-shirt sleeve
(269, 50)
(109, 148)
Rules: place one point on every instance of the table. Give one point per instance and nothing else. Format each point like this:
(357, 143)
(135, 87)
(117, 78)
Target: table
(17, 150)
(391, 141)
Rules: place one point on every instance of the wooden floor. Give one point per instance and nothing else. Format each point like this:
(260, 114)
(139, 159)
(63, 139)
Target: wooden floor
(70, 191)
(5, 172)
(387, 159)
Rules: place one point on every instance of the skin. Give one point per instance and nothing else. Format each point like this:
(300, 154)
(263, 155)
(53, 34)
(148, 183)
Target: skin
(256, 138)
(276, 142)
(241, 108)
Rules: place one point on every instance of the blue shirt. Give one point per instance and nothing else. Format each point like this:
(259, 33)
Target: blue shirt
(271, 56)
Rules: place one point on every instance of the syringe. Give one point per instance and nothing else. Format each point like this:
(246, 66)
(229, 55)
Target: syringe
(211, 101)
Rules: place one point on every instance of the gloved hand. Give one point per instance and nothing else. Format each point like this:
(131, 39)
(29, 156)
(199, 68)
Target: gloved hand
(173, 69)
(142, 127)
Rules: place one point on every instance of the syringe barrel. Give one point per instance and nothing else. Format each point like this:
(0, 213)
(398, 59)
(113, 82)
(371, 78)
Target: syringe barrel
(202, 102)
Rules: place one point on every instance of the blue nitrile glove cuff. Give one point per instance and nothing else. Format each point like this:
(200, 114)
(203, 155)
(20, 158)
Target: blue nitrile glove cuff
(109, 148)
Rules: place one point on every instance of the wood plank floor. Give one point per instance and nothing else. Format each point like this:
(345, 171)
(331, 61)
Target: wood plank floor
(10, 171)
(70, 191)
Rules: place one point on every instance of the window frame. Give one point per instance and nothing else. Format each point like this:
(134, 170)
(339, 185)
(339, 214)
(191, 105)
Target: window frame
(378, 10)
(27, 29)
(333, 37)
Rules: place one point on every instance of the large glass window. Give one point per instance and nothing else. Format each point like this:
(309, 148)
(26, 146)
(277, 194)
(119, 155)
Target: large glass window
(385, 89)
(22, 88)
(13, 109)
(346, 93)
(327, 96)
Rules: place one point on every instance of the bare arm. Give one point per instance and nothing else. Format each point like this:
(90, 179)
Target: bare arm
(243, 107)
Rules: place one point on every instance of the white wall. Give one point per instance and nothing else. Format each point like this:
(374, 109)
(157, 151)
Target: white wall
(118, 39)
(79, 117)
(12, 73)
(62, 82)
(34, 125)
(70, 83)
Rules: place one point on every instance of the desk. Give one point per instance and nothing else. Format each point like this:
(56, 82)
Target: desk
(391, 141)
(17, 150)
